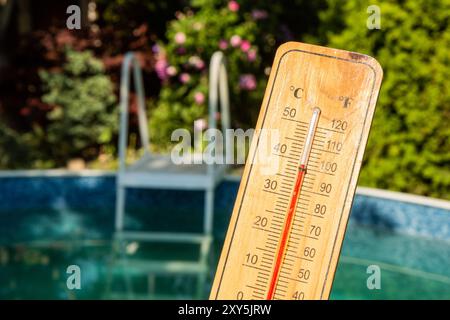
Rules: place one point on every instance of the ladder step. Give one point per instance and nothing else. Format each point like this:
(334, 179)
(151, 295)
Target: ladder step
(142, 296)
(160, 267)
(163, 236)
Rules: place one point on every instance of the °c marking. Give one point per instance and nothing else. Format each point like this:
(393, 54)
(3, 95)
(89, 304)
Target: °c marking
(298, 92)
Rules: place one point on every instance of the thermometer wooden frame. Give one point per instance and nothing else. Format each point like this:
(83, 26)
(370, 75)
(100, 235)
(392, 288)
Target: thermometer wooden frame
(284, 240)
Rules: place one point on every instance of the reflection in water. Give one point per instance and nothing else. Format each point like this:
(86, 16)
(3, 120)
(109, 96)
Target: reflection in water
(142, 270)
(38, 271)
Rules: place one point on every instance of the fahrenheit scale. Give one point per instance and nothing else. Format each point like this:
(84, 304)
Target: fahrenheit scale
(288, 223)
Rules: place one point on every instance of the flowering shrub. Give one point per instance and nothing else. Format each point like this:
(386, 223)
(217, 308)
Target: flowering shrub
(247, 32)
(182, 64)
(24, 115)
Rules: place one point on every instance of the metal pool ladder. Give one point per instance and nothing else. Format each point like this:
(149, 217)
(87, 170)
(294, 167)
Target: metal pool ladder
(156, 171)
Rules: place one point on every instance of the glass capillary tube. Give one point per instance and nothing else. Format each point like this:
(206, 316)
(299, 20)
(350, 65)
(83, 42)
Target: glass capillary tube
(310, 137)
(293, 203)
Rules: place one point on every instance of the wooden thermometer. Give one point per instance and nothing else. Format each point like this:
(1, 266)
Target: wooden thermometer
(291, 212)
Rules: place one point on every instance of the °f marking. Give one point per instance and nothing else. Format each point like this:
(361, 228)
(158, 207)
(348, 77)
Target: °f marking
(293, 202)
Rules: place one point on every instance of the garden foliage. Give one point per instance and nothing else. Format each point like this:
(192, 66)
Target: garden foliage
(84, 113)
(409, 144)
(182, 65)
(246, 32)
(78, 115)
(71, 111)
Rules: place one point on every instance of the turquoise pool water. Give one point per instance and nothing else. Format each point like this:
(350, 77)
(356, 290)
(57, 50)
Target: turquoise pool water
(411, 268)
(49, 223)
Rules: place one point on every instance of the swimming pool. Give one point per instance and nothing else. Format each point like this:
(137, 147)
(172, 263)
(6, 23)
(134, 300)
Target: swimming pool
(49, 221)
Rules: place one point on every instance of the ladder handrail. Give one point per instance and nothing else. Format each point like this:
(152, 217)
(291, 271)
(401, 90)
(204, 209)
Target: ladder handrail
(128, 61)
(218, 90)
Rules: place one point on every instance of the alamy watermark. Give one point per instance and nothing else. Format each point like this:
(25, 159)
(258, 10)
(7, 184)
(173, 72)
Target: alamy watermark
(215, 147)
(374, 20)
(374, 280)
(74, 20)
(73, 281)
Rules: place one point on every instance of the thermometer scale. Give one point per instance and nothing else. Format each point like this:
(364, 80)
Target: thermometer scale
(289, 220)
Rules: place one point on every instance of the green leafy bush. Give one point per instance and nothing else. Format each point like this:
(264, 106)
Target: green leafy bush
(84, 114)
(409, 144)
(10, 140)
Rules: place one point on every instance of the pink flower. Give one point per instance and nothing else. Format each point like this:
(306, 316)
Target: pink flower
(185, 77)
(251, 55)
(197, 62)
(200, 124)
(180, 38)
(223, 44)
(156, 48)
(247, 82)
(200, 64)
(235, 41)
(179, 15)
(258, 14)
(199, 98)
(233, 6)
(171, 71)
(245, 45)
(161, 68)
